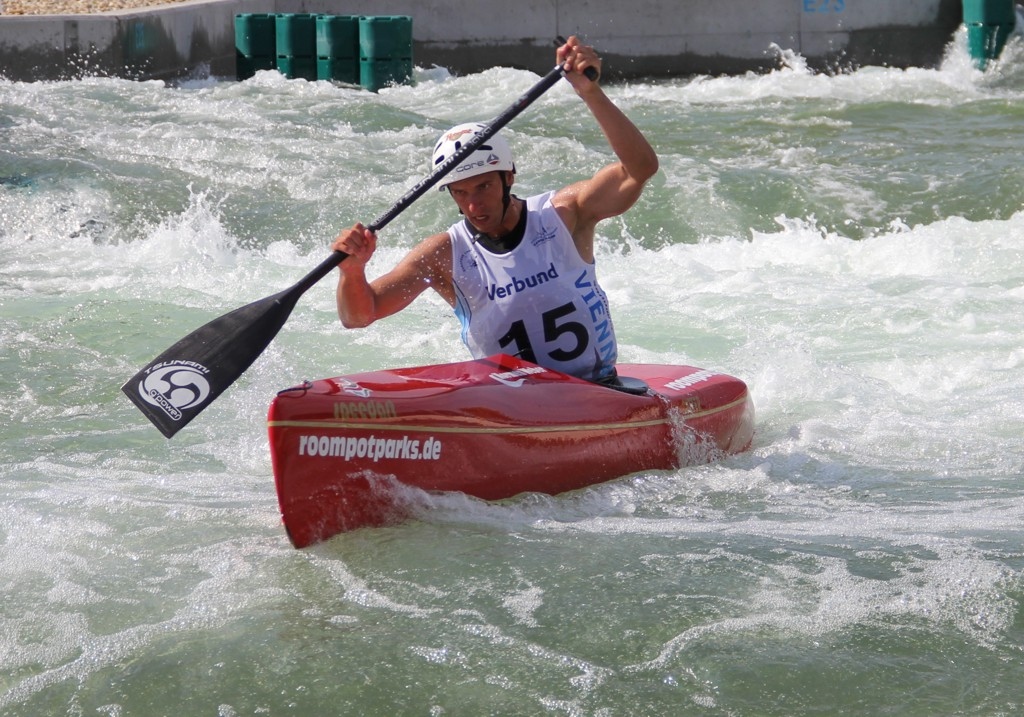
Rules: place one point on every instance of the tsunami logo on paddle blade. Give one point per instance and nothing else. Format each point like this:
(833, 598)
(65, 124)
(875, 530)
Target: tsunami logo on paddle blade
(175, 386)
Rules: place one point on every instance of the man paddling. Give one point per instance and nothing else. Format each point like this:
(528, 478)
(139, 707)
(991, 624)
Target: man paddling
(519, 273)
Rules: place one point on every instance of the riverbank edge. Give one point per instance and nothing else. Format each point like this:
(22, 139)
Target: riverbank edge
(196, 38)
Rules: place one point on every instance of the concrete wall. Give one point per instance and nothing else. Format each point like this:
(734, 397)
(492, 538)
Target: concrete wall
(635, 38)
(166, 42)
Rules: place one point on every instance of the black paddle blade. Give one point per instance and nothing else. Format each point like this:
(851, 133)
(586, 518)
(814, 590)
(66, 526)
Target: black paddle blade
(186, 378)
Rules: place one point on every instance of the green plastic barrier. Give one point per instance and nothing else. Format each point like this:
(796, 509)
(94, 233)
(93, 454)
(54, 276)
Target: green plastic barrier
(255, 44)
(372, 51)
(296, 35)
(337, 48)
(385, 37)
(989, 24)
(385, 51)
(375, 74)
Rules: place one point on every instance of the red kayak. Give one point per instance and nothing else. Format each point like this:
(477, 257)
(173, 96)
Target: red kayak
(491, 428)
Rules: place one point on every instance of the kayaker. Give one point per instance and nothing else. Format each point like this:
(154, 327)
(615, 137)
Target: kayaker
(519, 273)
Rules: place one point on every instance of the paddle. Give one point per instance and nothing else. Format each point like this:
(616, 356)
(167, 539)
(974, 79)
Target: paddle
(186, 378)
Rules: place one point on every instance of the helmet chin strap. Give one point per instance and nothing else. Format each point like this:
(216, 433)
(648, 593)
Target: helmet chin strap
(506, 196)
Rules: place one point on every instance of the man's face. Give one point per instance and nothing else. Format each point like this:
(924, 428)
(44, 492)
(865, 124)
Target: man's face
(481, 200)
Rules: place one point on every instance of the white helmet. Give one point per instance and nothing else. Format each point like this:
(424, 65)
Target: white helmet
(494, 155)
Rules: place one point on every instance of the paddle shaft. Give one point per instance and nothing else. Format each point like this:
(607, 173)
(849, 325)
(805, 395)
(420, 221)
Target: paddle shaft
(513, 111)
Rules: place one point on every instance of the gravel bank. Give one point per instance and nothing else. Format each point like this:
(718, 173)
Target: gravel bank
(74, 7)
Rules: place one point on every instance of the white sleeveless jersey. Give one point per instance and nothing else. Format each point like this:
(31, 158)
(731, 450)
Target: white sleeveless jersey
(540, 301)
